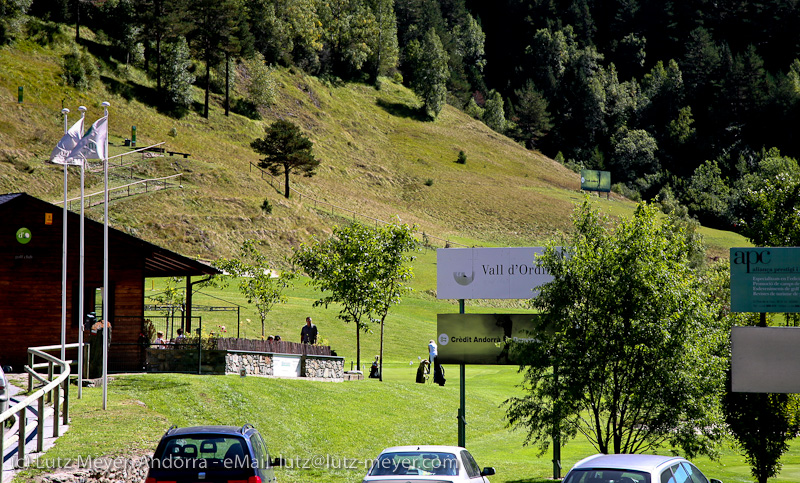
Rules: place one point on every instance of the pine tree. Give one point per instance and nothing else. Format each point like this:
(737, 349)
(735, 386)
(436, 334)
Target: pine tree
(177, 79)
(286, 150)
(430, 72)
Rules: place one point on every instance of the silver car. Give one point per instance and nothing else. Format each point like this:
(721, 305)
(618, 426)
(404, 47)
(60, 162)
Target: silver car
(635, 468)
(426, 463)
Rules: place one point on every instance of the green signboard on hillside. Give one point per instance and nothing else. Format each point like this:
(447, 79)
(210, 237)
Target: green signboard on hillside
(592, 180)
(765, 279)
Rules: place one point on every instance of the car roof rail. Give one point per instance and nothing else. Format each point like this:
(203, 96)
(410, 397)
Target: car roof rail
(171, 429)
(246, 427)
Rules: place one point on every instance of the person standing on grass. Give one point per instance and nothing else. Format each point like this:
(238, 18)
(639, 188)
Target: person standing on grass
(308, 334)
(435, 367)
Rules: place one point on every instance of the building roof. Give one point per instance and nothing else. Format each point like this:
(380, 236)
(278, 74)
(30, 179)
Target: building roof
(158, 261)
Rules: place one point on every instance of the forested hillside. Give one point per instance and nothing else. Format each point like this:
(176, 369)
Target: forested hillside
(684, 95)
(688, 101)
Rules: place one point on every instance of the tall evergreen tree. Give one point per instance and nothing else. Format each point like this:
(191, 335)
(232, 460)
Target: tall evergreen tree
(213, 26)
(177, 78)
(385, 51)
(429, 70)
(286, 149)
(533, 121)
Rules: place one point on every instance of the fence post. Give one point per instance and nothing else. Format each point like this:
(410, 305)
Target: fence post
(21, 437)
(30, 377)
(49, 378)
(65, 408)
(2, 447)
(40, 426)
(56, 397)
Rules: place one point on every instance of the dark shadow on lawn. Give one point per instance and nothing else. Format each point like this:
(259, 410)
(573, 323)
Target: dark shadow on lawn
(131, 90)
(100, 51)
(402, 110)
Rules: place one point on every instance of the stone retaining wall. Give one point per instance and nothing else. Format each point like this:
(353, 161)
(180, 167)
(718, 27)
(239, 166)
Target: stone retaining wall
(324, 367)
(254, 364)
(234, 362)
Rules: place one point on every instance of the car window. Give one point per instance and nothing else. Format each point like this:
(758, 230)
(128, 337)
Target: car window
(695, 474)
(606, 476)
(415, 463)
(203, 451)
(679, 474)
(472, 468)
(259, 450)
(666, 476)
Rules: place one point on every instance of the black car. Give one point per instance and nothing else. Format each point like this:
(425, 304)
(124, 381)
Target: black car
(212, 454)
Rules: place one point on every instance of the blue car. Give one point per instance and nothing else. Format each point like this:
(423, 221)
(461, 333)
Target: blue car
(212, 454)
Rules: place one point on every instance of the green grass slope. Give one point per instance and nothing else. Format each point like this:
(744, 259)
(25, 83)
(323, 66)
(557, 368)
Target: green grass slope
(378, 160)
(329, 432)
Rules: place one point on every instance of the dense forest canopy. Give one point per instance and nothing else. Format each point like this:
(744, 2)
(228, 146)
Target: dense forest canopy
(681, 100)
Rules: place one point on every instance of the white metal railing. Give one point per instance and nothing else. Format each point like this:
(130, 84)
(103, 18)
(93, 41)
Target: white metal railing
(55, 383)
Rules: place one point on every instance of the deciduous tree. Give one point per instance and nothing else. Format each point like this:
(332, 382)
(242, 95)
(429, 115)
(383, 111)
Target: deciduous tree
(256, 280)
(361, 268)
(632, 357)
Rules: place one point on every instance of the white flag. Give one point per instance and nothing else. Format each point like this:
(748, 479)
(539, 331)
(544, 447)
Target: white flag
(92, 145)
(67, 143)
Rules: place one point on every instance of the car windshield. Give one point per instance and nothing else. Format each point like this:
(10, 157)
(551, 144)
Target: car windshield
(419, 463)
(203, 452)
(607, 476)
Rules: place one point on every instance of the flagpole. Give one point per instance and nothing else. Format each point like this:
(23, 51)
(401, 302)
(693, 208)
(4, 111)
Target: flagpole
(64, 111)
(81, 307)
(106, 312)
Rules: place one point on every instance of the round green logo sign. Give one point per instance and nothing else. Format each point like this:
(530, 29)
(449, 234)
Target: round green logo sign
(23, 235)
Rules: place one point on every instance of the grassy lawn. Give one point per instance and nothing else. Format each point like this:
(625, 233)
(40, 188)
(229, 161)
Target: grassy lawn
(328, 432)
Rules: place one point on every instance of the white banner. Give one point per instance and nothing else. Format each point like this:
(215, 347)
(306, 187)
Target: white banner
(489, 273)
(765, 359)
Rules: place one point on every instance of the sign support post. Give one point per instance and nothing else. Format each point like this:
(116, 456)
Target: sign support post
(462, 409)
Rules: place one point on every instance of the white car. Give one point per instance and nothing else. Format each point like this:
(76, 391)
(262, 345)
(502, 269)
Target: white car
(635, 468)
(426, 464)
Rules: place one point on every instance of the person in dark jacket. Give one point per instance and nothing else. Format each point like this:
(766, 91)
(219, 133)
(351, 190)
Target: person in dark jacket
(308, 334)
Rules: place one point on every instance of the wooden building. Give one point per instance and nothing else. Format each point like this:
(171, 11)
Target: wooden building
(31, 251)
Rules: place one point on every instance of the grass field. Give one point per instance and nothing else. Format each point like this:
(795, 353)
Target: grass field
(321, 427)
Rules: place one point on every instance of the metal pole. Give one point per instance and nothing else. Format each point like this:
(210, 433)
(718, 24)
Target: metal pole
(106, 321)
(556, 435)
(462, 410)
(81, 282)
(64, 111)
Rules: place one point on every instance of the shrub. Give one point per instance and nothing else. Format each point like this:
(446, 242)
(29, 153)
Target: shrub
(266, 206)
(462, 158)
(78, 69)
(429, 182)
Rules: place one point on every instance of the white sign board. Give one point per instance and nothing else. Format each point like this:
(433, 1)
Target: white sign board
(286, 365)
(765, 359)
(488, 273)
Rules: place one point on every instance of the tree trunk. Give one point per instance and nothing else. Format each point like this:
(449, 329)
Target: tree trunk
(157, 11)
(208, 88)
(77, 21)
(358, 346)
(227, 83)
(380, 363)
(286, 183)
